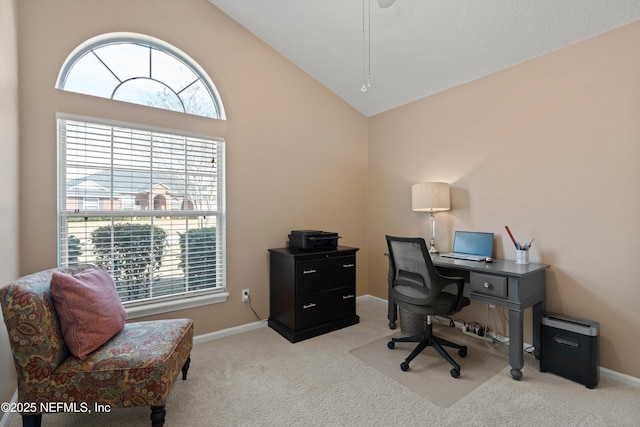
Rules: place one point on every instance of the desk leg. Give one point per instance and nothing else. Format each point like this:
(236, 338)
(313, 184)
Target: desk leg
(538, 309)
(516, 352)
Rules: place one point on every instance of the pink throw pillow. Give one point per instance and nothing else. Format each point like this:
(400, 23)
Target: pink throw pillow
(88, 307)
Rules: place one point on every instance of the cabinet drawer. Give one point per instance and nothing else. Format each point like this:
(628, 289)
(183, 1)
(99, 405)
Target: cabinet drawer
(489, 284)
(324, 274)
(323, 307)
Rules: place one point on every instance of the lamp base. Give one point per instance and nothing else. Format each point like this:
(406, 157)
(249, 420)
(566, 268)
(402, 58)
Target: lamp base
(432, 242)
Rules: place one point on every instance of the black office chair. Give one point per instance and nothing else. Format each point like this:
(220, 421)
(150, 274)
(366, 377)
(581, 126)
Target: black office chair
(416, 285)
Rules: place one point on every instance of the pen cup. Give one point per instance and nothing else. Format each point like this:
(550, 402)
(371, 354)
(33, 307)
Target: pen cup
(522, 256)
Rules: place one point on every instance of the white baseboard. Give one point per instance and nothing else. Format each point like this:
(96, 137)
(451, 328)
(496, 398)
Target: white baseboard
(623, 378)
(199, 339)
(372, 298)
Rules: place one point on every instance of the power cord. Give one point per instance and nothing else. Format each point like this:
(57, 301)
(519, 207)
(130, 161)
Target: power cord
(446, 318)
(494, 336)
(254, 312)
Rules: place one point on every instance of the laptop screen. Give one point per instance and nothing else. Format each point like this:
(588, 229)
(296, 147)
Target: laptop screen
(473, 243)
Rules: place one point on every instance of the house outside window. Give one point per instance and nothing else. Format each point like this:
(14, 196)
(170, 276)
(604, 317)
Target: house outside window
(146, 204)
(90, 203)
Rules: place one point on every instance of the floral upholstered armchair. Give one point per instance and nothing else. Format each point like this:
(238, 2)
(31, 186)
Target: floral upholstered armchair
(136, 366)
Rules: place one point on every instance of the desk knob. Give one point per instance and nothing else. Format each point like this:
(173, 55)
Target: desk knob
(487, 285)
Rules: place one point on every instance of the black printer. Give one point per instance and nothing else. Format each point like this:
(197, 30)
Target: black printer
(310, 240)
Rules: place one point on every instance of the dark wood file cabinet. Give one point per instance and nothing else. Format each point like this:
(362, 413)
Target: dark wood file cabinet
(312, 293)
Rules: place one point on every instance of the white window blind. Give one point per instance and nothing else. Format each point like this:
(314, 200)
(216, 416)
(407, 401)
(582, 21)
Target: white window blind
(146, 205)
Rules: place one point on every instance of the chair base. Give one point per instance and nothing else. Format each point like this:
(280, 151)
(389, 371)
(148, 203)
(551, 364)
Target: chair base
(429, 340)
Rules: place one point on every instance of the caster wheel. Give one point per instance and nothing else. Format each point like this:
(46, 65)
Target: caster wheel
(392, 325)
(404, 366)
(462, 353)
(455, 373)
(391, 345)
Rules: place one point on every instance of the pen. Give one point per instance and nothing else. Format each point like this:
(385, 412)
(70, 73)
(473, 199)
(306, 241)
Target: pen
(528, 245)
(511, 235)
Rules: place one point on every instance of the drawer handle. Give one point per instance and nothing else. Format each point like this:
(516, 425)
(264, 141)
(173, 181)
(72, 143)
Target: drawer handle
(487, 285)
(347, 296)
(308, 305)
(348, 265)
(567, 341)
(308, 271)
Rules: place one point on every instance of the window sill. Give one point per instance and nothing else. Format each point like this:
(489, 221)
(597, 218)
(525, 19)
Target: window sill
(174, 305)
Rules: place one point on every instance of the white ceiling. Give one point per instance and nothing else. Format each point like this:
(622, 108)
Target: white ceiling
(419, 47)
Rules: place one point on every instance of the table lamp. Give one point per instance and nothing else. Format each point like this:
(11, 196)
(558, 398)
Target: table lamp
(431, 197)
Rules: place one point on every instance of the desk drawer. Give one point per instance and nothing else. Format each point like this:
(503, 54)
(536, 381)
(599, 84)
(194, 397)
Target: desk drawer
(323, 307)
(324, 274)
(489, 284)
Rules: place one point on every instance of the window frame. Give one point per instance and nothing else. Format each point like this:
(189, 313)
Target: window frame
(137, 309)
(140, 39)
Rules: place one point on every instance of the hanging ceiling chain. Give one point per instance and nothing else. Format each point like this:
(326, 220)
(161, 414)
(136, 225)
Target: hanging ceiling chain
(366, 42)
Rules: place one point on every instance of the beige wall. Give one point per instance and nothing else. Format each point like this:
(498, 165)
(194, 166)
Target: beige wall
(550, 147)
(296, 153)
(8, 177)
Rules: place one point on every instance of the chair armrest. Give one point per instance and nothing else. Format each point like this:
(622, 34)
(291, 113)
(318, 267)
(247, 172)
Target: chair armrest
(413, 280)
(459, 282)
(410, 288)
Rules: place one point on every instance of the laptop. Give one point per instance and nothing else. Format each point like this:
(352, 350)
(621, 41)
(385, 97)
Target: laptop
(471, 246)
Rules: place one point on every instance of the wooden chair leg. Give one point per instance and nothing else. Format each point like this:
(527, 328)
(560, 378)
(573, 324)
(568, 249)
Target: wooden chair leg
(157, 416)
(185, 368)
(32, 420)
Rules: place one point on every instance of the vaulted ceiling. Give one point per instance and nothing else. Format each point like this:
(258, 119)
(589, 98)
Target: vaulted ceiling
(415, 48)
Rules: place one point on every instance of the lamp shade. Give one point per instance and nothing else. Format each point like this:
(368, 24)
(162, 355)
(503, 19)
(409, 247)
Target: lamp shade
(430, 196)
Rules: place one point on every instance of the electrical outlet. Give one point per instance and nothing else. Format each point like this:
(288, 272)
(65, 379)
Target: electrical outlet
(245, 295)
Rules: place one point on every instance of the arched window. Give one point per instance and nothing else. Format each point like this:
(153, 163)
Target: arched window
(147, 204)
(141, 70)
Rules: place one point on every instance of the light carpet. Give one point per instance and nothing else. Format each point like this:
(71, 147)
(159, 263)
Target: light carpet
(429, 374)
(258, 378)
